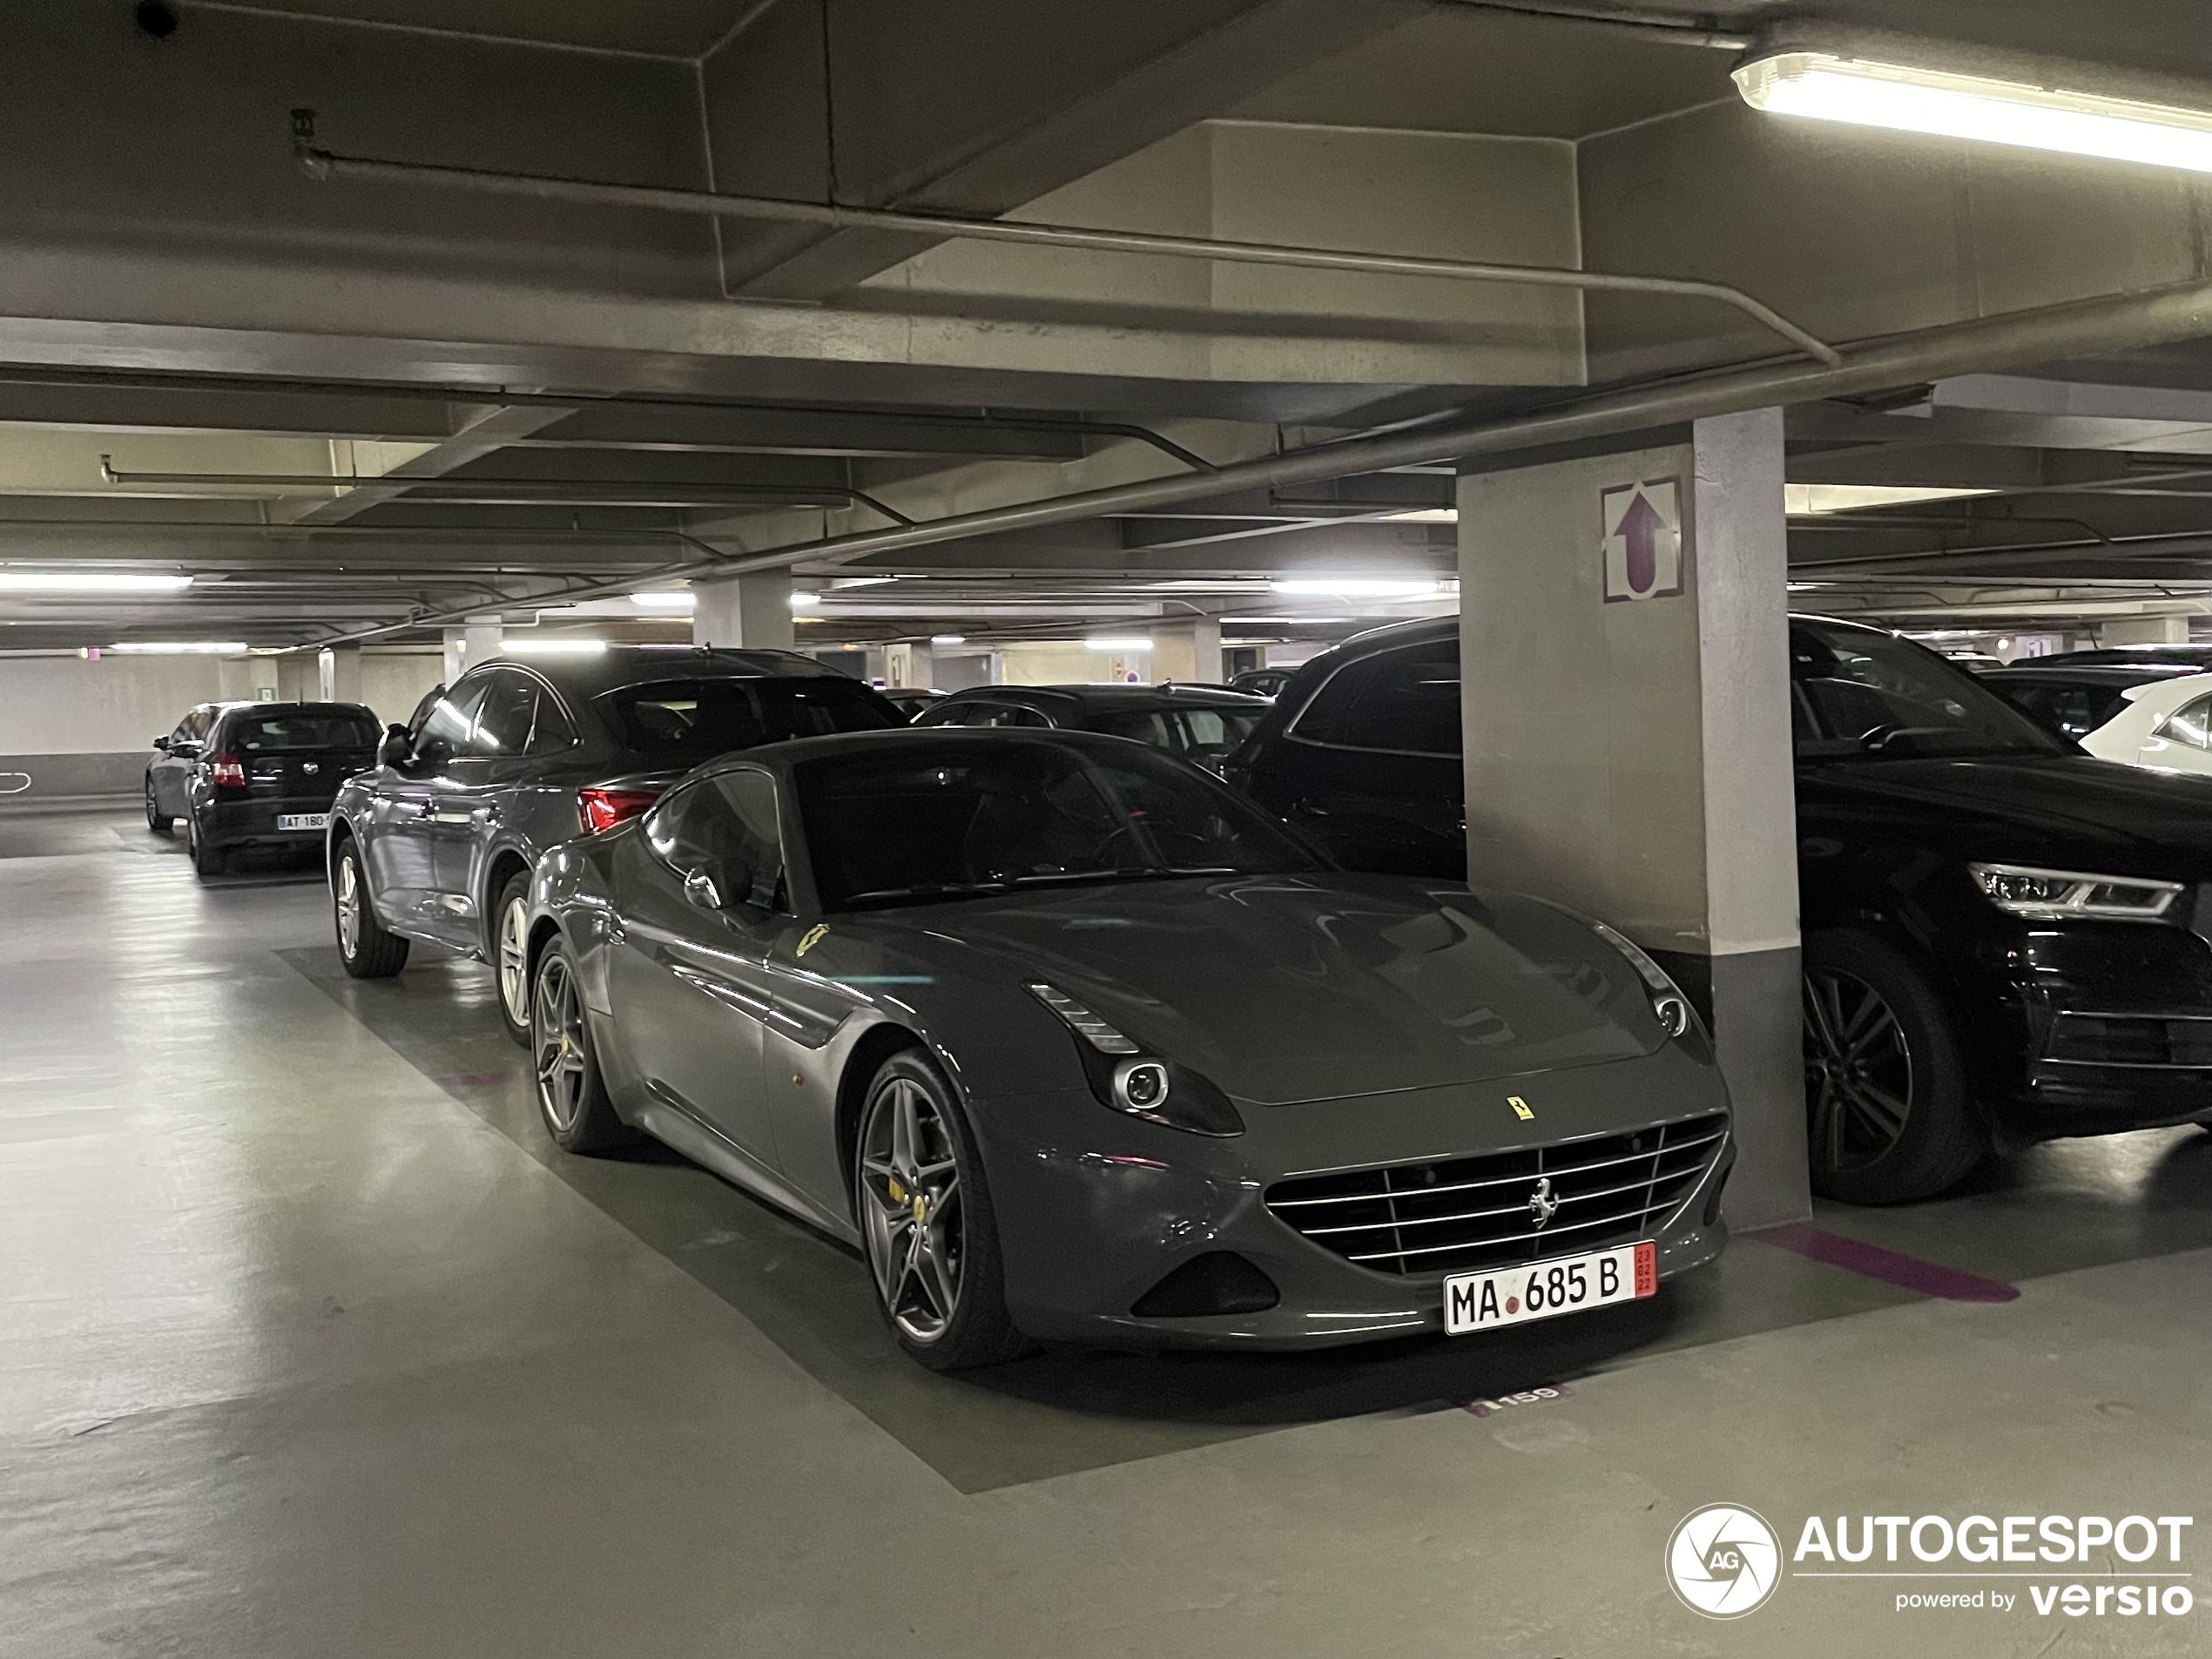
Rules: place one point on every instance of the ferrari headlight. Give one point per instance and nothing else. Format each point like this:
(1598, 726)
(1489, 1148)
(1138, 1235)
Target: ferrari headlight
(2060, 896)
(1667, 1003)
(1124, 1077)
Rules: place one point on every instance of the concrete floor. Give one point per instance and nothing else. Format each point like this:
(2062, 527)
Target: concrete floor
(310, 1344)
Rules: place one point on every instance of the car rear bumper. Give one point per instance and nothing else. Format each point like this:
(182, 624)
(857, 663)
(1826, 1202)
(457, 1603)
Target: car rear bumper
(1090, 1237)
(253, 823)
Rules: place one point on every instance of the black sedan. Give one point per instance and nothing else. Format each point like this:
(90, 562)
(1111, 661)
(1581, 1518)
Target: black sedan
(255, 775)
(436, 843)
(1075, 1043)
(2005, 940)
(1200, 723)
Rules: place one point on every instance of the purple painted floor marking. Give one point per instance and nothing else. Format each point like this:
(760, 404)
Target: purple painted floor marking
(1872, 1261)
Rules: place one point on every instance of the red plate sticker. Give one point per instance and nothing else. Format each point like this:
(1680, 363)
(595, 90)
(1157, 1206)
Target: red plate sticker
(1647, 1270)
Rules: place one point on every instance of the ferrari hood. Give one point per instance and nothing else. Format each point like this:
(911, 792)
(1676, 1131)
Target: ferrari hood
(1286, 989)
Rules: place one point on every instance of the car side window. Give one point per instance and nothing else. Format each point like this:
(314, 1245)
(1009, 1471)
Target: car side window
(1402, 702)
(554, 731)
(445, 729)
(727, 826)
(2190, 723)
(505, 715)
(982, 713)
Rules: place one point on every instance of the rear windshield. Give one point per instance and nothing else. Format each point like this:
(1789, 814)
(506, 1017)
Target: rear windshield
(302, 729)
(704, 717)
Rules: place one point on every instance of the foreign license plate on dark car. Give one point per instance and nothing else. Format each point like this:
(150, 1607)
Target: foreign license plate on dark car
(1546, 1289)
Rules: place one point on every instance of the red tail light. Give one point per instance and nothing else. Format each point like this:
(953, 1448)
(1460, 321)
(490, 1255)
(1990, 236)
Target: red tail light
(227, 771)
(602, 809)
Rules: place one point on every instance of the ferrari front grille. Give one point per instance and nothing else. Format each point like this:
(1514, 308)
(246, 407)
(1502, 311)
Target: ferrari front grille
(1504, 1207)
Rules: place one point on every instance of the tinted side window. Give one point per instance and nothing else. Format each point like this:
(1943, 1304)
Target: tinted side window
(302, 729)
(504, 718)
(553, 731)
(446, 727)
(1405, 702)
(727, 826)
(1004, 714)
(2190, 723)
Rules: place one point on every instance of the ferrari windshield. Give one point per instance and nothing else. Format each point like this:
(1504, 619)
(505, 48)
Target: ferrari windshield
(1856, 692)
(936, 819)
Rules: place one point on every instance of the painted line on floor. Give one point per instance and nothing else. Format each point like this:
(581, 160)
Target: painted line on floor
(480, 1079)
(1892, 1267)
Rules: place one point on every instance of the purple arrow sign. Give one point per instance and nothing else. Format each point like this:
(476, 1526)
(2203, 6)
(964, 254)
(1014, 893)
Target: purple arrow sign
(1641, 549)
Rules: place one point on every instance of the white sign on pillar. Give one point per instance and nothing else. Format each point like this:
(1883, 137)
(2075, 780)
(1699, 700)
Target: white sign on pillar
(1641, 545)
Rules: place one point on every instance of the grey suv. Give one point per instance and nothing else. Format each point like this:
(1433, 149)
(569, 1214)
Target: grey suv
(437, 843)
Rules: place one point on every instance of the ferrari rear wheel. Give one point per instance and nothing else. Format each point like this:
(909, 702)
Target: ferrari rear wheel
(572, 1094)
(926, 1221)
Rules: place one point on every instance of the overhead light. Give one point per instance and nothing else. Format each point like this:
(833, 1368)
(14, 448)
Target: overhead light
(1424, 515)
(1359, 587)
(949, 639)
(1948, 105)
(89, 581)
(1810, 501)
(1226, 620)
(552, 646)
(1118, 642)
(665, 599)
(800, 601)
(182, 647)
(861, 581)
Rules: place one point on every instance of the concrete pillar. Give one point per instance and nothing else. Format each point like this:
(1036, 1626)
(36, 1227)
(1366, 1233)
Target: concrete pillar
(2145, 630)
(1188, 651)
(744, 612)
(1625, 648)
(477, 642)
(339, 674)
(908, 665)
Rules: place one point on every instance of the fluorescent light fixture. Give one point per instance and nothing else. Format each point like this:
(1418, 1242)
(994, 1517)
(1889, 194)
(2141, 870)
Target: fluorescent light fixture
(665, 599)
(804, 601)
(182, 647)
(552, 646)
(1233, 619)
(949, 639)
(1946, 106)
(1424, 515)
(1358, 587)
(89, 581)
(1810, 501)
(1118, 643)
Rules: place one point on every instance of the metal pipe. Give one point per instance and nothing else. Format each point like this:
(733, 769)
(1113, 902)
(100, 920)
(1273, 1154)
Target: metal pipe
(543, 492)
(1612, 20)
(2080, 327)
(319, 163)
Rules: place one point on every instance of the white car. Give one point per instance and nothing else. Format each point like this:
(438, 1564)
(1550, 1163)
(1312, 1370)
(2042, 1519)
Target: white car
(2166, 725)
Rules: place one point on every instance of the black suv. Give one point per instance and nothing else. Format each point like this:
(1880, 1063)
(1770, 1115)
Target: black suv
(437, 843)
(2005, 940)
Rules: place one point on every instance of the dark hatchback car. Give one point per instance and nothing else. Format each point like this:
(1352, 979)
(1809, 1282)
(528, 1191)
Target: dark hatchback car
(255, 775)
(1199, 722)
(436, 843)
(2005, 940)
(2073, 699)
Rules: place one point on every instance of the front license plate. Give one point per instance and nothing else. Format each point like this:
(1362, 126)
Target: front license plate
(1546, 1289)
(303, 821)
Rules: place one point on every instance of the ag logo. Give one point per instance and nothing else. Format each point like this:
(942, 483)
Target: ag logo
(1723, 1562)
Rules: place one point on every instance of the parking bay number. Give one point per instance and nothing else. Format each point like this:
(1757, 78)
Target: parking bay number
(1567, 1285)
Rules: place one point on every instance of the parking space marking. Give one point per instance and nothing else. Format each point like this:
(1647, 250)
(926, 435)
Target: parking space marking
(1892, 1267)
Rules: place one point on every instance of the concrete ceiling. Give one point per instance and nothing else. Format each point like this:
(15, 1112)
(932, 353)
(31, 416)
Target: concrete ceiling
(474, 401)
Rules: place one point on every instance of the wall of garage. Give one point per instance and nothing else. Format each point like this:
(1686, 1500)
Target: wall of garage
(79, 726)
(393, 682)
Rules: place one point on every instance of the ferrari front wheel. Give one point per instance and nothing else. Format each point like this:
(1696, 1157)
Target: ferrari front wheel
(926, 1221)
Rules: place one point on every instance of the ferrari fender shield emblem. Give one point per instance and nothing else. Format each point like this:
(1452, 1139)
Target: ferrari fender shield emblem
(1520, 1108)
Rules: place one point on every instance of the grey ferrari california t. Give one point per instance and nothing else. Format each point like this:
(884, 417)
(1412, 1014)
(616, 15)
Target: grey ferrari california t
(1074, 1044)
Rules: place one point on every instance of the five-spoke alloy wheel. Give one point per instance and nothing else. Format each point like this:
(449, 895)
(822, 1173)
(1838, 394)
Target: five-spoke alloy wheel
(925, 1221)
(571, 1094)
